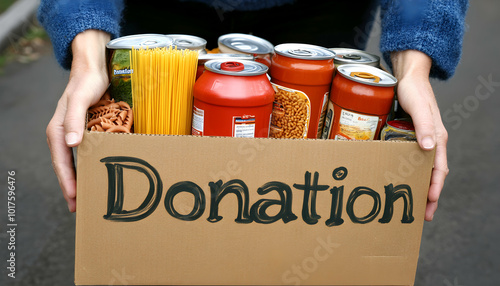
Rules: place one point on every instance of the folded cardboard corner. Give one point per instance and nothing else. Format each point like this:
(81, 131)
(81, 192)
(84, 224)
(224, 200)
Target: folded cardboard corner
(186, 210)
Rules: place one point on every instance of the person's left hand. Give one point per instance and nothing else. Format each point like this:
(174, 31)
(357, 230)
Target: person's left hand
(416, 97)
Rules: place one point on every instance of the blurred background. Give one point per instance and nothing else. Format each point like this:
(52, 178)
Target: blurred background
(459, 248)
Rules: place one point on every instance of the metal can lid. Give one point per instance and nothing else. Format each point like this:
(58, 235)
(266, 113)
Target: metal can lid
(367, 75)
(304, 51)
(246, 43)
(236, 68)
(226, 57)
(352, 56)
(401, 124)
(139, 41)
(188, 42)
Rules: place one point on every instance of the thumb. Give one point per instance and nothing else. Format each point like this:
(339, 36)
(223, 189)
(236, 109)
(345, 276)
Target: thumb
(416, 99)
(74, 121)
(424, 127)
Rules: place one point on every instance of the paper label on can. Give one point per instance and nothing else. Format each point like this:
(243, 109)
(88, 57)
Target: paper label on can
(327, 127)
(321, 119)
(244, 126)
(198, 121)
(291, 113)
(357, 126)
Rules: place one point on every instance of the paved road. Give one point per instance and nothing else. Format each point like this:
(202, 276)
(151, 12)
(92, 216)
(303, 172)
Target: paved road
(459, 248)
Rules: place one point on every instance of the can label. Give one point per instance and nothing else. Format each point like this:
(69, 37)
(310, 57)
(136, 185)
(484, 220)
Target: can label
(244, 126)
(327, 126)
(198, 121)
(119, 74)
(321, 119)
(291, 113)
(356, 126)
(391, 133)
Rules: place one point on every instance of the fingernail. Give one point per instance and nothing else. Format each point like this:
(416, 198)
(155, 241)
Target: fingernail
(71, 138)
(428, 143)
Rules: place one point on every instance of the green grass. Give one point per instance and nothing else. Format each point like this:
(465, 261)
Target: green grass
(35, 32)
(15, 51)
(4, 4)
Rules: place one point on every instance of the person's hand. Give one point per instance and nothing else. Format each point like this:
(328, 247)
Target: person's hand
(416, 97)
(88, 81)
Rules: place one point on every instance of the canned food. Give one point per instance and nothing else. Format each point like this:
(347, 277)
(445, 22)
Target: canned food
(360, 102)
(247, 44)
(119, 61)
(308, 69)
(401, 130)
(345, 56)
(233, 99)
(189, 42)
(202, 59)
(291, 113)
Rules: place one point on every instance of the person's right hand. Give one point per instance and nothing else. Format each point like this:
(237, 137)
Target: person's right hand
(88, 81)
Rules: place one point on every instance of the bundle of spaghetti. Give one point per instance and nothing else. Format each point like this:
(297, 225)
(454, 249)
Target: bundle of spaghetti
(162, 90)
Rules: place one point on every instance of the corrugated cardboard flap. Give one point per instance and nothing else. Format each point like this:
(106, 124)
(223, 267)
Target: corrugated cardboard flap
(159, 210)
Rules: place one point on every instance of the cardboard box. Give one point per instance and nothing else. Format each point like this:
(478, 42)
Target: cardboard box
(161, 210)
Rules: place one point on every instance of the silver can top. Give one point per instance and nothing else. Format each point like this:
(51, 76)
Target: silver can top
(245, 43)
(140, 41)
(236, 68)
(367, 75)
(304, 52)
(227, 57)
(352, 56)
(188, 42)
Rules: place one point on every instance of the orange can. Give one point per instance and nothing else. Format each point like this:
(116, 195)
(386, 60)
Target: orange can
(360, 101)
(308, 69)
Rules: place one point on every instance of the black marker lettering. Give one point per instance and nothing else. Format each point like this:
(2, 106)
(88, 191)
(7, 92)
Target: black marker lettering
(115, 166)
(356, 193)
(219, 190)
(391, 195)
(309, 214)
(339, 173)
(199, 200)
(258, 210)
(336, 210)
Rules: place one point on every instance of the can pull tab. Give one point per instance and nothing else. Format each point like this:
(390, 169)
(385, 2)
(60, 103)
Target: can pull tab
(149, 42)
(366, 75)
(232, 66)
(301, 52)
(352, 57)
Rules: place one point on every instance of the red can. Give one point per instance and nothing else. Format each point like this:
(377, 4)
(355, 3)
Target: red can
(360, 101)
(202, 59)
(309, 69)
(233, 99)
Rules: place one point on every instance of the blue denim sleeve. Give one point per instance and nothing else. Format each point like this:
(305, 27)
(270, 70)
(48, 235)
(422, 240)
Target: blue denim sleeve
(64, 19)
(434, 27)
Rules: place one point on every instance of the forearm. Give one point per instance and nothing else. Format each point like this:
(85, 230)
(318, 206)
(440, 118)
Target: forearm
(434, 27)
(411, 63)
(64, 20)
(89, 51)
